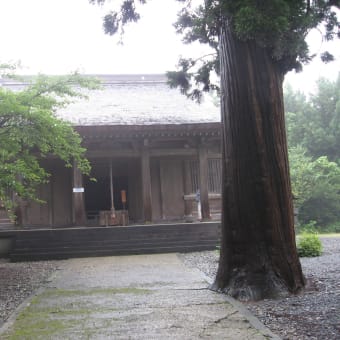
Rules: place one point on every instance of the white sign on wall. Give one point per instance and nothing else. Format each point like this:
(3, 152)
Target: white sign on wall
(78, 190)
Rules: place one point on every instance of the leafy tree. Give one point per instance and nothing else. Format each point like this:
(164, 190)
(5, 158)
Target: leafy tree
(313, 136)
(316, 187)
(297, 110)
(256, 43)
(323, 134)
(30, 131)
(302, 175)
(315, 123)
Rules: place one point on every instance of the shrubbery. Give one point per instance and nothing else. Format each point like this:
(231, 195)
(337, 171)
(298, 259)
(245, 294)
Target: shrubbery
(309, 245)
(332, 228)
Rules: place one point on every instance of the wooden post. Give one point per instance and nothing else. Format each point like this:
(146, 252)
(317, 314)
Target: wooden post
(113, 217)
(146, 183)
(187, 191)
(111, 190)
(203, 182)
(78, 198)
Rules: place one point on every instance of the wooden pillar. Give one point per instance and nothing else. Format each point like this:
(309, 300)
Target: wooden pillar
(146, 183)
(188, 204)
(111, 189)
(51, 201)
(78, 198)
(203, 182)
(20, 211)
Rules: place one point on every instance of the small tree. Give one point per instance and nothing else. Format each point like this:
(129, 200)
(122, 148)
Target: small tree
(30, 131)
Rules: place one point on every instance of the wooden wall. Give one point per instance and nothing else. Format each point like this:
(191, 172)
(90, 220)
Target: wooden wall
(172, 190)
(167, 189)
(57, 194)
(135, 191)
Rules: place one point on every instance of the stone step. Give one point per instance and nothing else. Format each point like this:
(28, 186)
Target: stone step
(114, 245)
(5, 222)
(80, 242)
(58, 255)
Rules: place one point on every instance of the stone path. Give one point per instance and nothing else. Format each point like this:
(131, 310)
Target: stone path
(131, 297)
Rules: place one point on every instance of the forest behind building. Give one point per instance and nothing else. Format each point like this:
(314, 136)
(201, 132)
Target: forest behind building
(313, 131)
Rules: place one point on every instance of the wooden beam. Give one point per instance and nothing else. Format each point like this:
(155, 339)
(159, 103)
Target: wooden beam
(203, 182)
(173, 152)
(214, 155)
(146, 185)
(78, 198)
(131, 154)
(112, 154)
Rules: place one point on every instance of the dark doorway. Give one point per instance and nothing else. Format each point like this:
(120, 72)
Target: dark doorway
(120, 184)
(98, 197)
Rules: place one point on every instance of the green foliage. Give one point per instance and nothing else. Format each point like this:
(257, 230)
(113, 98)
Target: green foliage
(309, 228)
(323, 135)
(278, 26)
(332, 228)
(30, 131)
(115, 21)
(313, 129)
(296, 112)
(253, 20)
(316, 187)
(315, 123)
(309, 245)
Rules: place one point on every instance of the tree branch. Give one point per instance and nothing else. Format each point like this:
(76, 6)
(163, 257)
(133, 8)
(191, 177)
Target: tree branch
(335, 3)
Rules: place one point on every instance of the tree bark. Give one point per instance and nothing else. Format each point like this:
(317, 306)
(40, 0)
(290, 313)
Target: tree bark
(258, 252)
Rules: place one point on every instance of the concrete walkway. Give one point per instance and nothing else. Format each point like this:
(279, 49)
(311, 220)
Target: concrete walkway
(131, 297)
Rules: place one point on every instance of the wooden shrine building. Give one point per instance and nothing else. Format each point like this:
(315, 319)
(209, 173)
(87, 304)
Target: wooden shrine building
(155, 155)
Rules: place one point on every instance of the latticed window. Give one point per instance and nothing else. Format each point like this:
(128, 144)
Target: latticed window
(194, 175)
(214, 175)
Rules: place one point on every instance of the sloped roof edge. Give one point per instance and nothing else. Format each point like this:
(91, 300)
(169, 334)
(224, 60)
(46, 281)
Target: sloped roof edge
(144, 131)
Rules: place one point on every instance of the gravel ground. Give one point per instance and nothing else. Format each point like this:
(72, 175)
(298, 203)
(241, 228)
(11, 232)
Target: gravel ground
(313, 314)
(19, 280)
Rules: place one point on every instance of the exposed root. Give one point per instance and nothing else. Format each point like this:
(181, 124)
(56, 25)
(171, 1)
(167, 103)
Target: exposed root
(250, 286)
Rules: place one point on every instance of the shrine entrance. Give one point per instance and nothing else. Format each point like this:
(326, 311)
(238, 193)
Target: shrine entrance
(107, 194)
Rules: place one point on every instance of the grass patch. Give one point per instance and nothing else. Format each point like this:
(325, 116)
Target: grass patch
(28, 326)
(335, 235)
(42, 319)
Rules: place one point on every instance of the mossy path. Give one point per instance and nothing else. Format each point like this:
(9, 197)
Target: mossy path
(134, 297)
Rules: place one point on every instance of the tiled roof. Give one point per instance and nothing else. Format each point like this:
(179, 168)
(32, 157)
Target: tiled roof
(136, 100)
(143, 101)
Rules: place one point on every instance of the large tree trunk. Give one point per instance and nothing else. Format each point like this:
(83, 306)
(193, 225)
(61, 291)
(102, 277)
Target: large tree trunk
(258, 251)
